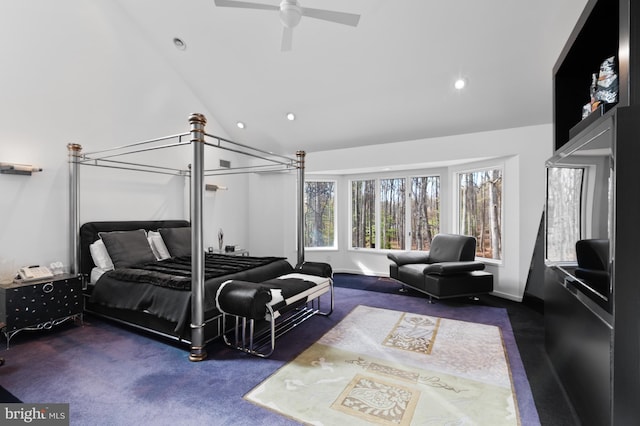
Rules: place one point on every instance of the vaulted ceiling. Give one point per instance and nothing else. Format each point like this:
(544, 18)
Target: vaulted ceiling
(389, 79)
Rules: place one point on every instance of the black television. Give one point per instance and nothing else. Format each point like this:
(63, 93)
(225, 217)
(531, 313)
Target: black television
(579, 212)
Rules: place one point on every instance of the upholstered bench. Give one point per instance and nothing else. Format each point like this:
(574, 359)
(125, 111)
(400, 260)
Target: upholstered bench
(262, 312)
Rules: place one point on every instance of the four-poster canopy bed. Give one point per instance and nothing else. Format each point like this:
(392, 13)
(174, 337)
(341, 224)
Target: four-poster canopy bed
(180, 296)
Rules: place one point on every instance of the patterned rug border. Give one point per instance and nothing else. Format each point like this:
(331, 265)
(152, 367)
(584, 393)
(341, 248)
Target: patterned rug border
(513, 385)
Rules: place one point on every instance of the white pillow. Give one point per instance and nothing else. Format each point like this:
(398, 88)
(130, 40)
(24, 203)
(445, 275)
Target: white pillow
(100, 255)
(158, 247)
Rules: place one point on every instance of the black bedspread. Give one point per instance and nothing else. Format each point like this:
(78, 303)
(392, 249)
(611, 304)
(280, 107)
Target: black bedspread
(176, 272)
(136, 288)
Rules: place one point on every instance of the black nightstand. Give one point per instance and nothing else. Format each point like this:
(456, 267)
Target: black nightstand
(41, 304)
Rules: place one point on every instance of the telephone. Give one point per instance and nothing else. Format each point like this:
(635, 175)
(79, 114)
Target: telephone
(29, 273)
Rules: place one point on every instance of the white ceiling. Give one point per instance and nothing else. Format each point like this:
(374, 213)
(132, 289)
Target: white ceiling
(389, 79)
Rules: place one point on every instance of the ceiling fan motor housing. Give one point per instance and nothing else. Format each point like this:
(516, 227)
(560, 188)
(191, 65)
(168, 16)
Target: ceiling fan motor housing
(290, 13)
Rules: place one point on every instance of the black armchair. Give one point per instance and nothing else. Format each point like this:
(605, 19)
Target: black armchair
(448, 269)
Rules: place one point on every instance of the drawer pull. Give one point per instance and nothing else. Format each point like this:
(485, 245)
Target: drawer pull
(47, 288)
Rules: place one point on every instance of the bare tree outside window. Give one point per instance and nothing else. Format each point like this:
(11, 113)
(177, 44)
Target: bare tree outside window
(564, 206)
(480, 210)
(319, 214)
(392, 211)
(425, 211)
(363, 214)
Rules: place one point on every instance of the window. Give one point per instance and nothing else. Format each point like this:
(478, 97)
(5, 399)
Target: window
(564, 202)
(392, 213)
(425, 211)
(363, 214)
(406, 211)
(320, 214)
(480, 210)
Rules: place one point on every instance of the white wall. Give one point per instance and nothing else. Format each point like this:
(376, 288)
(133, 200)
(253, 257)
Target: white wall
(523, 151)
(93, 89)
(272, 218)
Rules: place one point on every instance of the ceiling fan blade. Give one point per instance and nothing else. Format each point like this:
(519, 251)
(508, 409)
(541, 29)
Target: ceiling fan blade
(329, 15)
(245, 5)
(287, 39)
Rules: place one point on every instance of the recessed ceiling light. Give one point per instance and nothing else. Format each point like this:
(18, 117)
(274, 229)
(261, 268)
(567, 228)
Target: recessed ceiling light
(460, 83)
(291, 116)
(180, 45)
(240, 125)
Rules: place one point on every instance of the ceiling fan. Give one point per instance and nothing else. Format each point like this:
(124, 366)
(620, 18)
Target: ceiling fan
(290, 14)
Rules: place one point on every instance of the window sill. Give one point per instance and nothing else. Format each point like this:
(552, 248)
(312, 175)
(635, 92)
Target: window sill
(491, 262)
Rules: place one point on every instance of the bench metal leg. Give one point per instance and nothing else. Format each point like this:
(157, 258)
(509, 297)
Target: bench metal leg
(263, 343)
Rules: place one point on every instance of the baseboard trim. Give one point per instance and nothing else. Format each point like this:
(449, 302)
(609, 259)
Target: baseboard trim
(358, 272)
(507, 296)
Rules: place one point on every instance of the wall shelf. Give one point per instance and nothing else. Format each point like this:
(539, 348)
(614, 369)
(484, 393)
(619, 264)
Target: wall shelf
(595, 38)
(18, 169)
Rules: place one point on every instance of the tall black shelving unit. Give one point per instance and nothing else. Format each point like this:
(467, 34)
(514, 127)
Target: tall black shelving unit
(596, 352)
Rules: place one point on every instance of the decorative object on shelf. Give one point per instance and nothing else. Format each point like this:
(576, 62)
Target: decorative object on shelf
(229, 249)
(607, 86)
(604, 87)
(57, 268)
(18, 169)
(593, 103)
(220, 238)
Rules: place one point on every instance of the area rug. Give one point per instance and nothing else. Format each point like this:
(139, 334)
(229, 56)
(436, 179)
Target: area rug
(396, 368)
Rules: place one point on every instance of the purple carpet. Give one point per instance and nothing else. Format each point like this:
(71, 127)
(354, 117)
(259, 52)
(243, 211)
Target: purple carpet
(112, 375)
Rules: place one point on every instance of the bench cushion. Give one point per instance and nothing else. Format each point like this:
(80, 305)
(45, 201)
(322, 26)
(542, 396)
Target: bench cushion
(293, 289)
(249, 300)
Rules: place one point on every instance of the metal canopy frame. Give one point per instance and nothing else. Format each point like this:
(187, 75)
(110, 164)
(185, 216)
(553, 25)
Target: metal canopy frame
(198, 139)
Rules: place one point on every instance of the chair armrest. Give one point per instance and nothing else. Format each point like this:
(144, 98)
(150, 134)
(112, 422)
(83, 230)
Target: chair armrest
(451, 268)
(243, 299)
(406, 257)
(319, 269)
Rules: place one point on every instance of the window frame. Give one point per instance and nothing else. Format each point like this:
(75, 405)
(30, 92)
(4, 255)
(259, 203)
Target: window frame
(379, 219)
(455, 186)
(349, 236)
(336, 210)
(377, 178)
(409, 212)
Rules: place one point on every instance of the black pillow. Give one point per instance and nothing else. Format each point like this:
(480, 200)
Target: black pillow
(127, 248)
(177, 240)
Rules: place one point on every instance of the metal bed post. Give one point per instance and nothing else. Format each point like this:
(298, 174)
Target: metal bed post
(198, 351)
(300, 220)
(74, 208)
